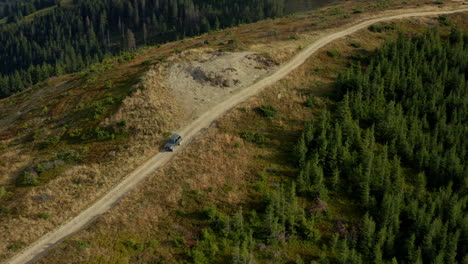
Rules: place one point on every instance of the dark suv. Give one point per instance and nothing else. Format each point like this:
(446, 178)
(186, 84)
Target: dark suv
(174, 141)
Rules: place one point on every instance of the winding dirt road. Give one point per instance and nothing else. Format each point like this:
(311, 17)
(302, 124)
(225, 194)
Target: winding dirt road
(51, 239)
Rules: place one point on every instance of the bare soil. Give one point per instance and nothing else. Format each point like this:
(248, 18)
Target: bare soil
(214, 76)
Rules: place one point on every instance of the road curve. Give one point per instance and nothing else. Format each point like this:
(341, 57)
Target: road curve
(39, 248)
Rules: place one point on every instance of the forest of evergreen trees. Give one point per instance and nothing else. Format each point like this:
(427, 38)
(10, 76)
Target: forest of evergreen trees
(68, 38)
(16, 10)
(395, 144)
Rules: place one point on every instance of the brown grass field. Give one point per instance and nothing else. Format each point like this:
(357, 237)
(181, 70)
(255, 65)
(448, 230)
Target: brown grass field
(219, 168)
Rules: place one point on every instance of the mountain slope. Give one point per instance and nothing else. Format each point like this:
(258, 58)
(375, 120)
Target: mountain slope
(130, 182)
(191, 212)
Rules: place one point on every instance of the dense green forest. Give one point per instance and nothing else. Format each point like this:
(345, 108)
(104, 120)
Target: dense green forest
(394, 145)
(16, 10)
(72, 36)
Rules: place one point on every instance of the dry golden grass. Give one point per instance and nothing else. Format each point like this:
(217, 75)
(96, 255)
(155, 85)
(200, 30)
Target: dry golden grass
(217, 168)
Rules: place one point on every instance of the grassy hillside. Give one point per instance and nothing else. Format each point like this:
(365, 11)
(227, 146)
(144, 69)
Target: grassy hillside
(67, 140)
(195, 212)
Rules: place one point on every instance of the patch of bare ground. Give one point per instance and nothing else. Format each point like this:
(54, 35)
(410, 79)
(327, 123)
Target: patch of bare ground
(219, 167)
(213, 76)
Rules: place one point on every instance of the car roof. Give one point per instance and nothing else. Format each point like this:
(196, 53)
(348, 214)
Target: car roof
(175, 136)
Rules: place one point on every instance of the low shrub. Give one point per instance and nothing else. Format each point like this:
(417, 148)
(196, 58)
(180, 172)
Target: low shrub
(38, 134)
(103, 134)
(27, 179)
(132, 244)
(147, 63)
(4, 193)
(310, 101)
(267, 111)
(333, 53)
(179, 241)
(75, 133)
(108, 84)
(81, 245)
(381, 28)
(98, 111)
(253, 137)
(15, 246)
(355, 45)
(44, 216)
(126, 57)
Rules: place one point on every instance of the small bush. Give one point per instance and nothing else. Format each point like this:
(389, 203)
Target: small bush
(126, 57)
(375, 28)
(179, 241)
(381, 28)
(273, 33)
(38, 134)
(133, 245)
(15, 246)
(4, 193)
(43, 216)
(98, 111)
(4, 210)
(443, 20)
(147, 63)
(81, 245)
(355, 44)
(333, 53)
(72, 155)
(267, 111)
(235, 44)
(91, 80)
(27, 179)
(152, 244)
(253, 137)
(103, 134)
(122, 123)
(294, 36)
(108, 84)
(310, 102)
(110, 100)
(210, 212)
(54, 140)
(75, 133)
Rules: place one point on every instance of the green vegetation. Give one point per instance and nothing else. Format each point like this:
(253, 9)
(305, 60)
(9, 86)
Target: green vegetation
(355, 45)
(381, 28)
(392, 148)
(253, 137)
(91, 31)
(267, 111)
(333, 53)
(44, 216)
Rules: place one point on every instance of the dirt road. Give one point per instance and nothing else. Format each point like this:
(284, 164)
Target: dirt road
(50, 240)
